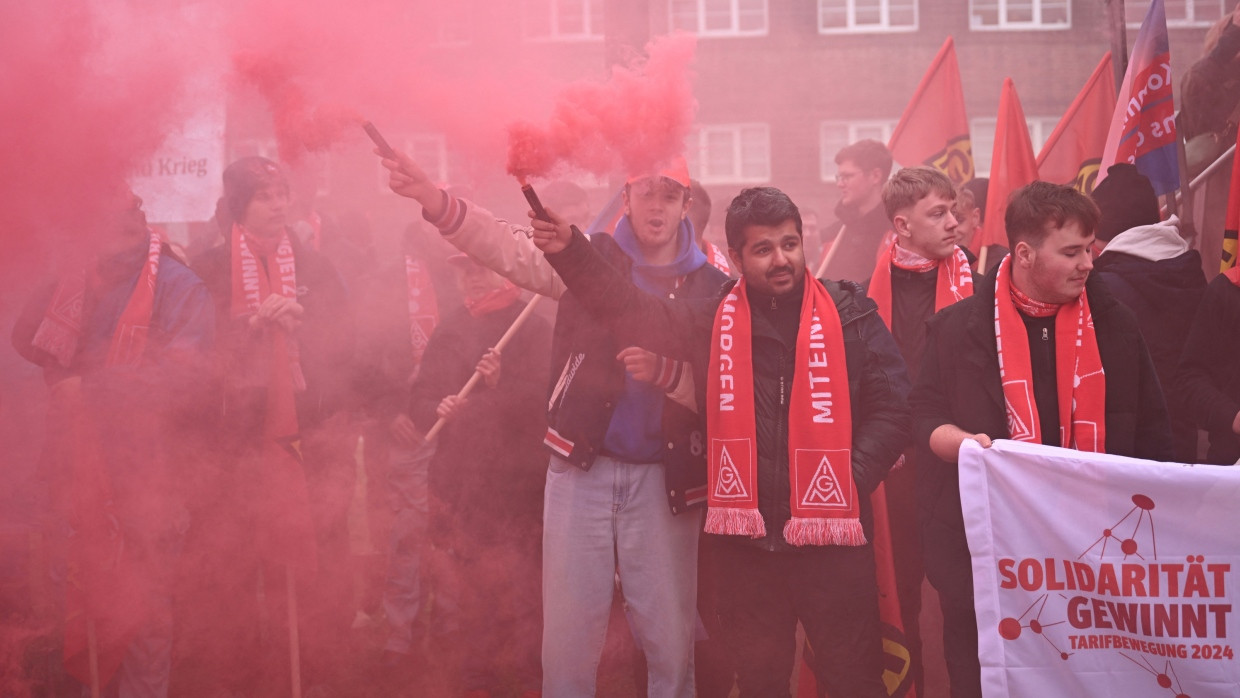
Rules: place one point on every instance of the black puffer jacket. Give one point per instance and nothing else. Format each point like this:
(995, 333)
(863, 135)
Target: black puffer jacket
(681, 329)
(959, 384)
(1207, 384)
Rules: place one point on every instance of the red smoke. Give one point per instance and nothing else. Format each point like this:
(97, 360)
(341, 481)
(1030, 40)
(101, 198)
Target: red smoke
(300, 127)
(637, 120)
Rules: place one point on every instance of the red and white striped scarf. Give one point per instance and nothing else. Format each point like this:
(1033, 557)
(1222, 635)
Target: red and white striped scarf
(423, 308)
(61, 328)
(252, 284)
(825, 506)
(1080, 380)
(717, 258)
(955, 277)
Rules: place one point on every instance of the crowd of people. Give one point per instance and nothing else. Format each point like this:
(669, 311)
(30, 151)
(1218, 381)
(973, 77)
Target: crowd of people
(700, 429)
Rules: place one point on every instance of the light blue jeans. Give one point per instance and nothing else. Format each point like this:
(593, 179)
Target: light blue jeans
(615, 518)
(403, 595)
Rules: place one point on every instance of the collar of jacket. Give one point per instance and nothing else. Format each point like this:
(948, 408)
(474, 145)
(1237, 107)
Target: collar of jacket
(875, 218)
(980, 327)
(850, 299)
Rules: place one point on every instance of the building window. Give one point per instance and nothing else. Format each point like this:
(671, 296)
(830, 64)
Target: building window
(833, 136)
(429, 150)
(983, 137)
(1180, 13)
(719, 17)
(731, 154)
(860, 16)
(564, 20)
(1020, 14)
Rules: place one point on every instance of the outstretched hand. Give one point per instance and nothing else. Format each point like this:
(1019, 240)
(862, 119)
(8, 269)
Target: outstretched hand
(408, 180)
(551, 237)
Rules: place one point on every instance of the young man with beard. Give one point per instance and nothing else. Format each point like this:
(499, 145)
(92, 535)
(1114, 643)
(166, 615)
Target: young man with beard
(861, 226)
(922, 271)
(804, 392)
(124, 344)
(1041, 353)
(625, 480)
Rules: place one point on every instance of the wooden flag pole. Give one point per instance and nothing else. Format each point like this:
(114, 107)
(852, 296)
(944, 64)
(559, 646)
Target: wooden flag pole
(835, 246)
(92, 657)
(981, 259)
(499, 346)
(294, 636)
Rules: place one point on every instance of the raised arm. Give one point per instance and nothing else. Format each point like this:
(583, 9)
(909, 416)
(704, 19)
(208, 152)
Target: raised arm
(496, 244)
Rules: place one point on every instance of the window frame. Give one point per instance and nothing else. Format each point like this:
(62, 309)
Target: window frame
(885, 27)
(734, 32)
(555, 35)
(699, 143)
(1034, 25)
(827, 169)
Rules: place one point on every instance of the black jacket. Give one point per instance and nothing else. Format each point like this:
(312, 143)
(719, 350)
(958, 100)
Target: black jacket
(489, 466)
(325, 340)
(1207, 384)
(959, 384)
(1164, 295)
(878, 384)
(586, 381)
(863, 234)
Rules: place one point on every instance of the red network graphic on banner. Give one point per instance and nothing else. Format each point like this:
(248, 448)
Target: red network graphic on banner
(1127, 593)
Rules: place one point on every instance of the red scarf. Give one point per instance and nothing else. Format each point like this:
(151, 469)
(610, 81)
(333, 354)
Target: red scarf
(955, 278)
(495, 299)
(825, 506)
(423, 309)
(717, 258)
(286, 532)
(61, 328)
(1080, 380)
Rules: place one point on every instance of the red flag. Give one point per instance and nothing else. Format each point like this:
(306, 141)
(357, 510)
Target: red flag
(1011, 167)
(897, 661)
(1232, 223)
(934, 129)
(1074, 150)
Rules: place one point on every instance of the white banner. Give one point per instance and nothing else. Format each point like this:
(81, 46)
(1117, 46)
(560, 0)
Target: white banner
(181, 181)
(1098, 576)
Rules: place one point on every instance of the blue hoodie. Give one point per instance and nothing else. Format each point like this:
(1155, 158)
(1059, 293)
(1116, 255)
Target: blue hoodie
(635, 433)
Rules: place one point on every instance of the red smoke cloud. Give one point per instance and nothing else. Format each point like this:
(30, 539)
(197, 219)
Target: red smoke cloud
(637, 120)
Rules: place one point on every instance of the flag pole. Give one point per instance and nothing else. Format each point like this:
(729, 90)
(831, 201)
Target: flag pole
(92, 655)
(981, 259)
(835, 246)
(294, 636)
(499, 346)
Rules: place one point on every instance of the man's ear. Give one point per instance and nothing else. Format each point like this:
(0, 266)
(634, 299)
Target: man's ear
(900, 225)
(1024, 254)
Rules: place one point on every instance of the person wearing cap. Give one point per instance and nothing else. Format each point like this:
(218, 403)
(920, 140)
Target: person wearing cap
(806, 413)
(1147, 266)
(284, 329)
(123, 343)
(993, 367)
(484, 479)
(625, 484)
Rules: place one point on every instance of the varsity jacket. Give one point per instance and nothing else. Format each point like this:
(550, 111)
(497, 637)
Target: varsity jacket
(586, 378)
(877, 380)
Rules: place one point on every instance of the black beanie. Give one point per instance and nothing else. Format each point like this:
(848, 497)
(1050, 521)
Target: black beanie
(244, 178)
(1126, 199)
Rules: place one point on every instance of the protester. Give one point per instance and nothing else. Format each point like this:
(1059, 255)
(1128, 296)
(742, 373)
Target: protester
(1071, 356)
(486, 479)
(1207, 384)
(124, 346)
(921, 272)
(699, 216)
(285, 333)
(398, 306)
(861, 226)
(1211, 95)
(1148, 267)
(615, 431)
(797, 529)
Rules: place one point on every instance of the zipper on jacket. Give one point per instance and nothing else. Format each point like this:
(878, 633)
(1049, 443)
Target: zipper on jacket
(782, 401)
(1046, 334)
(773, 305)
